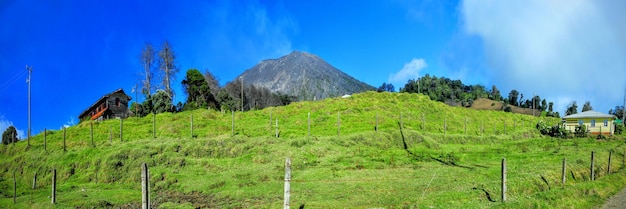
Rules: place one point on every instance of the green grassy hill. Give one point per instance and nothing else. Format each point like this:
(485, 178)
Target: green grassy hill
(449, 167)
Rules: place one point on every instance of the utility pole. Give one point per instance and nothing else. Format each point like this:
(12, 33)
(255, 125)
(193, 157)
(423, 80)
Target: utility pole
(241, 79)
(533, 103)
(30, 70)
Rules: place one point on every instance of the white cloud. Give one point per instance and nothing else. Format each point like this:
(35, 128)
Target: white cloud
(409, 71)
(5, 123)
(559, 49)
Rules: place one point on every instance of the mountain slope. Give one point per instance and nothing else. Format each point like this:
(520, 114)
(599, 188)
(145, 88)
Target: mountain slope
(303, 75)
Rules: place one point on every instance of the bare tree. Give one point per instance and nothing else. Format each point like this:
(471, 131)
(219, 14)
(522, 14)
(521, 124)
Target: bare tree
(167, 67)
(147, 60)
(214, 84)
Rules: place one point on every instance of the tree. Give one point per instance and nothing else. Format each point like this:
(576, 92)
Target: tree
(544, 105)
(147, 60)
(550, 107)
(162, 102)
(495, 94)
(214, 84)
(9, 135)
(572, 108)
(513, 97)
(388, 87)
(587, 106)
(618, 112)
(198, 92)
(225, 100)
(168, 67)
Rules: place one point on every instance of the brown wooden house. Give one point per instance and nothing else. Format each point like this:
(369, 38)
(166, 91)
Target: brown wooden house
(112, 105)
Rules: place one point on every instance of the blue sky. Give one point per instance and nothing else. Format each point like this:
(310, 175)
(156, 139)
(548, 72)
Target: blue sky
(80, 50)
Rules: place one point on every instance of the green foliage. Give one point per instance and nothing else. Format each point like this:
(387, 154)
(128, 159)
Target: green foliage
(198, 91)
(572, 108)
(587, 106)
(619, 128)
(388, 87)
(162, 102)
(9, 135)
(556, 130)
(581, 131)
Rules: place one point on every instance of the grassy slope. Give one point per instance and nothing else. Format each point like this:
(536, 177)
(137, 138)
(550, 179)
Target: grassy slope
(360, 168)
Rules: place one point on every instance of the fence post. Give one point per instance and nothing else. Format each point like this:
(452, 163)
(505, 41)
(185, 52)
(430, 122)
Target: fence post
(64, 148)
(277, 128)
(338, 123)
(44, 139)
(445, 125)
(191, 125)
(482, 128)
(624, 159)
(14, 187)
(121, 129)
(563, 170)
(591, 171)
(35, 180)
(608, 169)
(401, 121)
(91, 133)
(423, 121)
(504, 124)
(153, 125)
(309, 124)
(54, 186)
(465, 126)
(232, 125)
(494, 128)
(111, 134)
(376, 128)
(287, 183)
(145, 187)
(503, 179)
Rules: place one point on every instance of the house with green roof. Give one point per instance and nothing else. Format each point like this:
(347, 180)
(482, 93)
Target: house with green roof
(597, 123)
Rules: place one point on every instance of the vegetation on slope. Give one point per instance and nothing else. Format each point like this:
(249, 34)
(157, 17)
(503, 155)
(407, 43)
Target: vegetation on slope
(359, 168)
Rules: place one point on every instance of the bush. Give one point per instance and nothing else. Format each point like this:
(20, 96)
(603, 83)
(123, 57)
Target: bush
(555, 130)
(580, 131)
(619, 128)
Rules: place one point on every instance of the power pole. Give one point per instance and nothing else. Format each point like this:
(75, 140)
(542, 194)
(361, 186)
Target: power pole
(30, 70)
(533, 103)
(241, 79)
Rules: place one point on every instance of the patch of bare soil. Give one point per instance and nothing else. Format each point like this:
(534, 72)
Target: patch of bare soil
(617, 201)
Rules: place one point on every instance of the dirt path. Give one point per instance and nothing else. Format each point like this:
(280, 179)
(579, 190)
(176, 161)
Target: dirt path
(616, 201)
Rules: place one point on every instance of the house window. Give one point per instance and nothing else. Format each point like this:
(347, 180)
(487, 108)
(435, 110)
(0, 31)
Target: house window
(580, 122)
(593, 123)
(117, 101)
(606, 123)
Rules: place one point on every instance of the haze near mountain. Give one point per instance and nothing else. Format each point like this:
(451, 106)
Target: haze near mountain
(303, 75)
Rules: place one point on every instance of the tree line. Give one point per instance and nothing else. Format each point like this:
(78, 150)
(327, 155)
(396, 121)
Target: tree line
(202, 90)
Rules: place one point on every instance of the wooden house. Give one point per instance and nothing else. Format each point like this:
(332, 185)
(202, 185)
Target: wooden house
(597, 123)
(112, 105)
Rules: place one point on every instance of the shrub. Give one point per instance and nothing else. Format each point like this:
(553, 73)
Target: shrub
(580, 131)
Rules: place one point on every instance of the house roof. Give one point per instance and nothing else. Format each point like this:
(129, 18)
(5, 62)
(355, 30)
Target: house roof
(102, 99)
(589, 114)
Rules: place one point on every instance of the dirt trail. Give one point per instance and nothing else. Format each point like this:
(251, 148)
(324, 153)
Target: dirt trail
(616, 201)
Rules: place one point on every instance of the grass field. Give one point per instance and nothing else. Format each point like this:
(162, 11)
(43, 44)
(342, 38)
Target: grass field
(446, 164)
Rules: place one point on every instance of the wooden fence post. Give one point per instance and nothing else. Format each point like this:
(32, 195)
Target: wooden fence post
(423, 121)
(153, 125)
(54, 186)
(287, 183)
(64, 148)
(145, 187)
(232, 126)
(608, 169)
(338, 123)
(277, 128)
(494, 128)
(465, 126)
(503, 179)
(191, 125)
(91, 133)
(14, 187)
(482, 128)
(44, 139)
(376, 128)
(309, 124)
(563, 170)
(35, 180)
(591, 171)
(121, 129)
(111, 134)
(445, 125)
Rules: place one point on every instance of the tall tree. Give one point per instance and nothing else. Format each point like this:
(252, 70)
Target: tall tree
(513, 97)
(551, 107)
(388, 87)
(544, 105)
(167, 66)
(214, 83)
(572, 108)
(147, 61)
(495, 93)
(9, 135)
(587, 106)
(198, 92)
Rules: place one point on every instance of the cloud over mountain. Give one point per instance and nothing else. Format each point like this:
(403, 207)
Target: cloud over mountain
(409, 71)
(573, 49)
